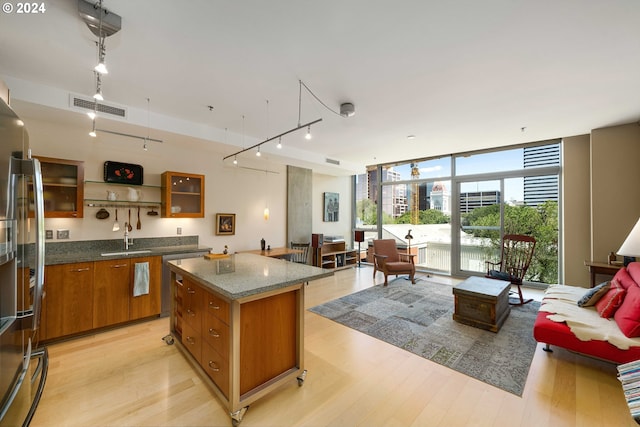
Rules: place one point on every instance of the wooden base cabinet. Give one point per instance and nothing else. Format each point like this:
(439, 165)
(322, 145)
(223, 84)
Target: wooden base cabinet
(67, 307)
(113, 300)
(150, 304)
(85, 296)
(111, 292)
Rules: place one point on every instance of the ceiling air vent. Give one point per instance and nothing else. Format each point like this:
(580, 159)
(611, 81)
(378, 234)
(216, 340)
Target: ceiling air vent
(333, 162)
(85, 105)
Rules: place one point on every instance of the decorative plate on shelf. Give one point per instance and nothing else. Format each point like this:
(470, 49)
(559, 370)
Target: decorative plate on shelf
(122, 173)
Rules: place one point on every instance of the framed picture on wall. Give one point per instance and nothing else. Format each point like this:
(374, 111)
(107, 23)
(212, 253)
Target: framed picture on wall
(225, 224)
(331, 207)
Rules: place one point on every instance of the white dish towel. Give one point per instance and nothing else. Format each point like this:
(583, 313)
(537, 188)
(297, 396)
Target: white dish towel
(141, 279)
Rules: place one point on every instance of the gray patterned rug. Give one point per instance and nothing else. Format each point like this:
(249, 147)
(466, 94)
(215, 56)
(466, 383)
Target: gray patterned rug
(418, 318)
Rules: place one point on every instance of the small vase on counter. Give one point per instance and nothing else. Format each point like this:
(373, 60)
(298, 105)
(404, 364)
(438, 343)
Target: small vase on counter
(263, 244)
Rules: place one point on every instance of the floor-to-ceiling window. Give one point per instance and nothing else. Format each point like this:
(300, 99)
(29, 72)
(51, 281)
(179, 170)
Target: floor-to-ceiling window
(452, 211)
(510, 191)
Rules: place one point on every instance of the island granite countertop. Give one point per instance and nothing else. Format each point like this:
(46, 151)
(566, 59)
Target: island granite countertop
(242, 275)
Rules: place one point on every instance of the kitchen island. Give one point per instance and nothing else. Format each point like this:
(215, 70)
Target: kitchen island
(241, 321)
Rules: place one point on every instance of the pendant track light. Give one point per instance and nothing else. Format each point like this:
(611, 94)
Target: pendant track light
(101, 67)
(306, 125)
(346, 110)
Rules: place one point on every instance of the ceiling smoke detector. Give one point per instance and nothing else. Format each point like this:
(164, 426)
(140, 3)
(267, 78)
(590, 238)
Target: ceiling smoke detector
(347, 109)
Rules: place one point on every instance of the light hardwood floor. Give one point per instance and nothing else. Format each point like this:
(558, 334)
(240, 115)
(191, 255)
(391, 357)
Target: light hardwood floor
(130, 377)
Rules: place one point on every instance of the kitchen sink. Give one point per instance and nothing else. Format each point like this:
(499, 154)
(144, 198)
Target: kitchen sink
(143, 251)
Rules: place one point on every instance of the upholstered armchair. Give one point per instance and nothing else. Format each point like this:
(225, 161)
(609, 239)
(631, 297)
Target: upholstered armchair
(388, 260)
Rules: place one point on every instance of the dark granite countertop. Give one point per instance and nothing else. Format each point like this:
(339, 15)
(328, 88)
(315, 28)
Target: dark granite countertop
(86, 256)
(87, 251)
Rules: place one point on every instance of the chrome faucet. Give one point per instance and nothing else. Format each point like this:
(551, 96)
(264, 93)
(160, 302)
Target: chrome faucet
(127, 241)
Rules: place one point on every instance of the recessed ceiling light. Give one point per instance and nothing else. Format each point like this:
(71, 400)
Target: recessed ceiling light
(411, 137)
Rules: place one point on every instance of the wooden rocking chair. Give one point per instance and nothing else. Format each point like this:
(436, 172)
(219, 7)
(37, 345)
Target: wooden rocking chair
(517, 252)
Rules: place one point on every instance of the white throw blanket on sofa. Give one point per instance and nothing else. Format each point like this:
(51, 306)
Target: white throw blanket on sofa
(585, 322)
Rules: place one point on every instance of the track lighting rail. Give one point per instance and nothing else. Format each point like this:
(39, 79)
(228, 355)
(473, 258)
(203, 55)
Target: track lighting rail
(144, 138)
(306, 125)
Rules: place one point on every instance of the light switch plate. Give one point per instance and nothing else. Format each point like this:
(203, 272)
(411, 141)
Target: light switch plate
(179, 230)
(62, 234)
(48, 234)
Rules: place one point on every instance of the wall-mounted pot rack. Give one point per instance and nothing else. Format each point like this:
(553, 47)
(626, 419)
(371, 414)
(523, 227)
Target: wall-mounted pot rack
(94, 203)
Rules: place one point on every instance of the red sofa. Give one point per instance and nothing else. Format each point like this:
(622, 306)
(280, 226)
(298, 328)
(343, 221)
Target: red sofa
(559, 334)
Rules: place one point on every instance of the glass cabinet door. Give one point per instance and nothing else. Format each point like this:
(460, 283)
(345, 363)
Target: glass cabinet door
(63, 190)
(182, 195)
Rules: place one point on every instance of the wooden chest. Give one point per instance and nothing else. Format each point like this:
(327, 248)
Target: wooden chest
(482, 302)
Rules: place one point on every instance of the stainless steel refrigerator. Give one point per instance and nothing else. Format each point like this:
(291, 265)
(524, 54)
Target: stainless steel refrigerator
(23, 363)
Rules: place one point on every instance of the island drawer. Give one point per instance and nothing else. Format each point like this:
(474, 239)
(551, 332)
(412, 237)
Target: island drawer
(218, 307)
(192, 341)
(216, 367)
(217, 334)
(192, 296)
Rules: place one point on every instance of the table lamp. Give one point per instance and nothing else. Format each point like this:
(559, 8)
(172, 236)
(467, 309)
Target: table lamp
(631, 246)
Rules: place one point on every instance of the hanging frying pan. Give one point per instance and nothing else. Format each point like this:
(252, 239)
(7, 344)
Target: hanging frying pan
(102, 214)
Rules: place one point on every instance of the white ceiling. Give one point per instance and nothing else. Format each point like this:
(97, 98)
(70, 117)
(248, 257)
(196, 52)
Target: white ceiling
(459, 75)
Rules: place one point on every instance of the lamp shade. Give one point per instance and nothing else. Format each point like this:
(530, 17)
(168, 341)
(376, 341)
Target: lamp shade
(631, 245)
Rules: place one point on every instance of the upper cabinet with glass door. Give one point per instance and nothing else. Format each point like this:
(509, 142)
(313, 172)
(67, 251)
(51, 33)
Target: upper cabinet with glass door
(63, 189)
(182, 195)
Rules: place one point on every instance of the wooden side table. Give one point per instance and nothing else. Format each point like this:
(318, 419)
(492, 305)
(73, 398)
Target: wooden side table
(601, 268)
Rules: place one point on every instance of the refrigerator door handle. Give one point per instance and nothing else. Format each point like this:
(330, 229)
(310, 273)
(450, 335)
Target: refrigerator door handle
(31, 167)
(39, 226)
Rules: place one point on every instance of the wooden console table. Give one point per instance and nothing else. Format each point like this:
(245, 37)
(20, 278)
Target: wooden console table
(601, 268)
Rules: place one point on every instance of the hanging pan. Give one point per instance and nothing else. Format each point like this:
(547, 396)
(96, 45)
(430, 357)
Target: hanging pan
(102, 214)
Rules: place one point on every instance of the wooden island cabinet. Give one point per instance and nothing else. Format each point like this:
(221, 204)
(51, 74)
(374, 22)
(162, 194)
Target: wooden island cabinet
(241, 320)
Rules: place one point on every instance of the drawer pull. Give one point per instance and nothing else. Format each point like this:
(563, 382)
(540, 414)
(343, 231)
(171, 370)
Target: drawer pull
(78, 270)
(213, 305)
(214, 366)
(190, 340)
(191, 291)
(191, 312)
(119, 265)
(214, 333)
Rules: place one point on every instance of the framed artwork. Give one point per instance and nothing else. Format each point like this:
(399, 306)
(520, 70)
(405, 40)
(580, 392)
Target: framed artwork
(225, 224)
(331, 207)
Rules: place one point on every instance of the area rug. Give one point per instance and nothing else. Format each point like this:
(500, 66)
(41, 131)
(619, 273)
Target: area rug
(418, 318)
